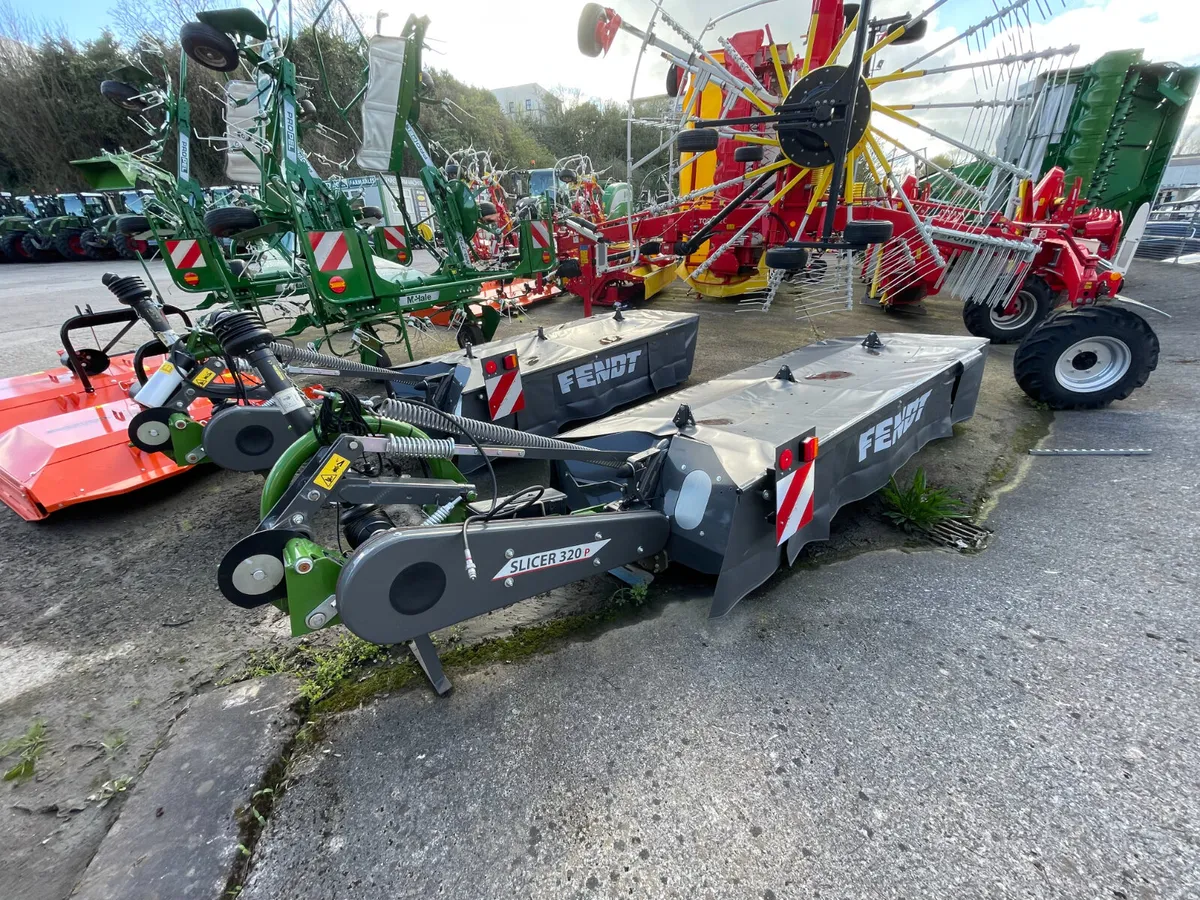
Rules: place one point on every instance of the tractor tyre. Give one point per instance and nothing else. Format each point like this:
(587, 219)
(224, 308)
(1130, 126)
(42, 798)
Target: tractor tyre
(863, 234)
(590, 18)
(1086, 358)
(35, 253)
(1035, 301)
(470, 332)
(93, 247)
(124, 95)
(208, 46)
(69, 244)
(226, 221)
(11, 249)
(697, 140)
(790, 259)
(129, 247)
(753, 153)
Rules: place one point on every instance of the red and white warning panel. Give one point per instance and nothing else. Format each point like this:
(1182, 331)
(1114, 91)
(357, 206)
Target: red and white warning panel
(795, 479)
(396, 240)
(540, 232)
(502, 382)
(186, 254)
(330, 250)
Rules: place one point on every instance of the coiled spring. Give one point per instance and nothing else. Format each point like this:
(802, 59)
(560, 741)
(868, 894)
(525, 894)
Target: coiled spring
(421, 448)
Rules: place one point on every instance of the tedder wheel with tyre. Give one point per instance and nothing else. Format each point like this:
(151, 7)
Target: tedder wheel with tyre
(208, 46)
(1086, 358)
(590, 20)
(226, 221)
(1012, 322)
(697, 140)
(470, 332)
(126, 96)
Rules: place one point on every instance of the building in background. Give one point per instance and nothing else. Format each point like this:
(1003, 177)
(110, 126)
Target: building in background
(1181, 180)
(529, 100)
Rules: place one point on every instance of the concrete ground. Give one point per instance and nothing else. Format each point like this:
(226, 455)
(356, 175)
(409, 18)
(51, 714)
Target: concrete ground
(902, 724)
(112, 621)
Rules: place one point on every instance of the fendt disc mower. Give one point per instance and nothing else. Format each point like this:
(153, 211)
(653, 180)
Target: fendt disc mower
(759, 127)
(731, 478)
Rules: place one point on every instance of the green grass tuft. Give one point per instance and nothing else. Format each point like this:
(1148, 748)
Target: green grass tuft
(28, 748)
(919, 507)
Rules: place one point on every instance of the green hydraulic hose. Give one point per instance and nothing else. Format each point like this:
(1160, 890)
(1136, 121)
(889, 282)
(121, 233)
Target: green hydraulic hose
(295, 456)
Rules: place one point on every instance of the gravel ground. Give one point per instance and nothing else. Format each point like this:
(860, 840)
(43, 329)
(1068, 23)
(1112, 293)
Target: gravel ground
(110, 613)
(1017, 723)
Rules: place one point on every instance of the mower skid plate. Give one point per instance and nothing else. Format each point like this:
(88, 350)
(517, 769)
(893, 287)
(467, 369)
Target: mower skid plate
(870, 407)
(76, 456)
(26, 398)
(578, 370)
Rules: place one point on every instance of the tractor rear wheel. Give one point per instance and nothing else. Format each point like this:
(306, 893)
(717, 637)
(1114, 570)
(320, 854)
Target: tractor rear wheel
(11, 249)
(36, 253)
(1007, 325)
(93, 246)
(128, 247)
(1086, 358)
(67, 242)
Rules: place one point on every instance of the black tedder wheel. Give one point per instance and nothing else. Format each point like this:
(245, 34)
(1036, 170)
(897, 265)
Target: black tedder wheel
(697, 140)
(1035, 301)
(849, 11)
(124, 95)
(675, 76)
(1086, 358)
(470, 332)
(911, 35)
(132, 224)
(863, 234)
(753, 153)
(372, 212)
(226, 221)
(208, 46)
(791, 259)
(569, 268)
(589, 19)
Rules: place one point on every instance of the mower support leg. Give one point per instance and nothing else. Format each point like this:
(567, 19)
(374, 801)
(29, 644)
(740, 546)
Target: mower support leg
(426, 654)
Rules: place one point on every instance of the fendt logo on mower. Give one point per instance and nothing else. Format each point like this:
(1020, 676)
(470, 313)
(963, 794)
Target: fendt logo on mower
(888, 433)
(623, 365)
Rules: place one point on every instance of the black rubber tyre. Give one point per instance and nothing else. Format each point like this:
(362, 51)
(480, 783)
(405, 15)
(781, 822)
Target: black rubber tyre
(569, 268)
(208, 47)
(93, 247)
(226, 221)
(849, 11)
(470, 332)
(790, 259)
(372, 212)
(675, 76)
(237, 267)
(11, 247)
(568, 176)
(123, 95)
(131, 224)
(1086, 358)
(128, 247)
(69, 245)
(451, 171)
(1036, 301)
(863, 234)
(35, 253)
(697, 140)
(912, 35)
(486, 209)
(753, 153)
(591, 16)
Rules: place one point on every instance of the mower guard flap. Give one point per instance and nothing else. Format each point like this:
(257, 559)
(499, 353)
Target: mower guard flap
(870, 407)
(580, 369)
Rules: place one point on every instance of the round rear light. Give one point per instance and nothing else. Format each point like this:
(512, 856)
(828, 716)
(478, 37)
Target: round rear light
(337, 284)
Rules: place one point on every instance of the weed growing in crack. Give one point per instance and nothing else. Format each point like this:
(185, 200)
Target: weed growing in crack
(28, 749)
(919, 507)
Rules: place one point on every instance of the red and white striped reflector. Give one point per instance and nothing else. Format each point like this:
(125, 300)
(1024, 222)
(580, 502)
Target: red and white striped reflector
(394, 238)
(793, 497)
(186, 254)
(330, 249)
(540, 231)
(502, 382)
